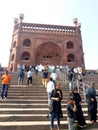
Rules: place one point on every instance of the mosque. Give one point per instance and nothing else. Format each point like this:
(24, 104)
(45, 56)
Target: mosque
(34, 43)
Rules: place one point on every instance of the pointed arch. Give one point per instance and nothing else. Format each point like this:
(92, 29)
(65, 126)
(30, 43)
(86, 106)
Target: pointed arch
(48, 53)
(26, 42)
(71, 58)
(70, 45)
(12, 57)
(25, 56)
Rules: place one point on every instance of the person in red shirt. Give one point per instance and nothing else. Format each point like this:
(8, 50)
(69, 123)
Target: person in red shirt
(5, 84)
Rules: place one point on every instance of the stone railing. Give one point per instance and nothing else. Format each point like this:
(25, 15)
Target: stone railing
(45, 28)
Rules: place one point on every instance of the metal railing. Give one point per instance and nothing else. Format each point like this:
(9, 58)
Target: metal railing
(62, 75)
(82, 88)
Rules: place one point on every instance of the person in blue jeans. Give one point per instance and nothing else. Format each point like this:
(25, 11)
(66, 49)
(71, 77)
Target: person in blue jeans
(20, 76)
(45, 75)
(5, 84)
(55, 108)
(71, 108)
(71, 79)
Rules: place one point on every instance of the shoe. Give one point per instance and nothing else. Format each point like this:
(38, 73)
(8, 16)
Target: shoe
(48, 116)
(1, 98)
(5, 98)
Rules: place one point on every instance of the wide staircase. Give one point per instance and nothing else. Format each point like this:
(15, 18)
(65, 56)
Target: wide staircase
(26, 107)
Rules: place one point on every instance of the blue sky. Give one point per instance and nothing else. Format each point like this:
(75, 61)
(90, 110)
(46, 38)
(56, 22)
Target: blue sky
(59, 12)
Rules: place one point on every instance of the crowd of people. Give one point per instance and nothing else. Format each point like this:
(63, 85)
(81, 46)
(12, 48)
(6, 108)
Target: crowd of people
(55, 93)
(74, 107)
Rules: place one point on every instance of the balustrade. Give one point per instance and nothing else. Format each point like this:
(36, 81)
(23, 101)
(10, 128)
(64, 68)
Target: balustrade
(45, 28)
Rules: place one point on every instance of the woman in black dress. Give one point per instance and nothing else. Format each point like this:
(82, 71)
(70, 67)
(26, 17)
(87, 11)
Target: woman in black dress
(78, 115)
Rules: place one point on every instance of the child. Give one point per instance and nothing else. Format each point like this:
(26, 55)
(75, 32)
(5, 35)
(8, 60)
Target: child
(71, 108)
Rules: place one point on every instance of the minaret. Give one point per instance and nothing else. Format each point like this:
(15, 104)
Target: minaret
(21, 17)
(15, 21)
(75, 21)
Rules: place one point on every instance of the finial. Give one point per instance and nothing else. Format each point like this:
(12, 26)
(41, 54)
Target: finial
(79, 25)
(21, 17)
(75, 21)
(15, 21)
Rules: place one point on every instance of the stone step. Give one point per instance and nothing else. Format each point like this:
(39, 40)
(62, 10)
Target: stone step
(34, 110)
(30, 117)
(26, 107)
(29, 125)
(30, 105)
(21, 96)
(38, 125)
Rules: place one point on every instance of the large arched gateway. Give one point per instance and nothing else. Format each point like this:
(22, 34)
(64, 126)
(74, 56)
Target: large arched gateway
(48, 54)
(45, 44)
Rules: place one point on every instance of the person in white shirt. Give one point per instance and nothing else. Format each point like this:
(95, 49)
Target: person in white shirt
(29, 76)
(54, 77)
(50, 87)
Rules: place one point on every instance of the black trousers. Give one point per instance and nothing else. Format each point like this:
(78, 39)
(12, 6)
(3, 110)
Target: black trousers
(29, 81)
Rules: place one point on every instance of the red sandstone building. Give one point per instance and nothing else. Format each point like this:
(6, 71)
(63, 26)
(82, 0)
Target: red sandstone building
(45, 44)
